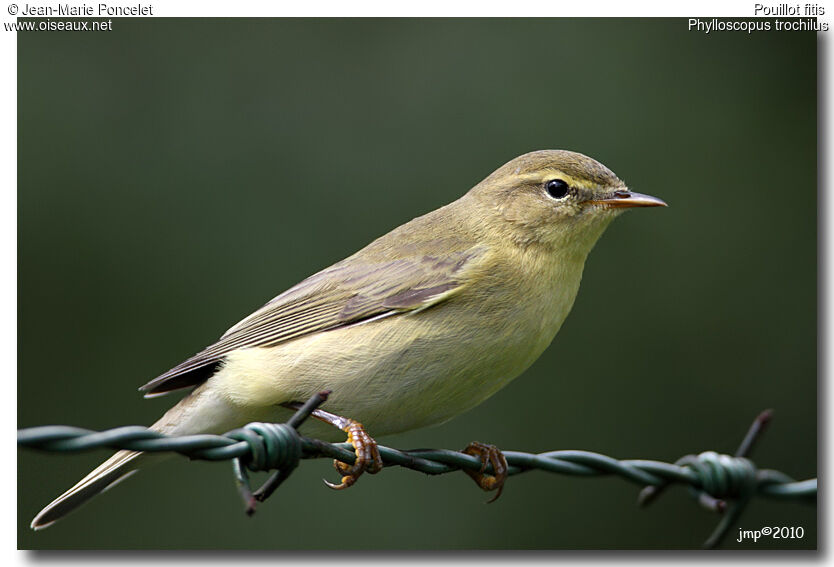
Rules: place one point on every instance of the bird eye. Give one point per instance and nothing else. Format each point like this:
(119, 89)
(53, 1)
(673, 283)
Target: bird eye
(556, 188)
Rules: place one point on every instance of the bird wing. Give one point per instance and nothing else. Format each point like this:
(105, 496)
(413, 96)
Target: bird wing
(349, 292)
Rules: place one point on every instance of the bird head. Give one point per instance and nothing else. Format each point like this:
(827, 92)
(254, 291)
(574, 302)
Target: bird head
(556, 198)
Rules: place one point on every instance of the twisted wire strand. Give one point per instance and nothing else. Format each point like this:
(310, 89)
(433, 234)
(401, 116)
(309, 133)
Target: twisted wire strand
(712, 478)
(266, 448)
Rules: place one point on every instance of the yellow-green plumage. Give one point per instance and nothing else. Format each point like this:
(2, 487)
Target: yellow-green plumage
(420, 325)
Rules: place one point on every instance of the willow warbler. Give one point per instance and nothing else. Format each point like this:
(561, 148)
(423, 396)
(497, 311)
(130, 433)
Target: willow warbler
(422, 324)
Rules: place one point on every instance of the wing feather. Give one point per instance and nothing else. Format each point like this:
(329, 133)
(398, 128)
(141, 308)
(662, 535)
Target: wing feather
(347, 293)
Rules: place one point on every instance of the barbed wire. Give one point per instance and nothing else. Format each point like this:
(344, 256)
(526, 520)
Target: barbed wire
(721, 483)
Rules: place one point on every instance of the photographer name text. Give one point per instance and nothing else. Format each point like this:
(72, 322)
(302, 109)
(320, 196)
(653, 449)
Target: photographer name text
(88, 10)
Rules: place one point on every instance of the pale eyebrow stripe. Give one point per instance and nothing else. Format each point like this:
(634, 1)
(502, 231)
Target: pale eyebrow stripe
(541, 175)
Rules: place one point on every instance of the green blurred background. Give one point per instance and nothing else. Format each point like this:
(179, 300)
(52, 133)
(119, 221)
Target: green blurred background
(176, 174)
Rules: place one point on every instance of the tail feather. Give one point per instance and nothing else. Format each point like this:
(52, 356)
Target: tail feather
(202, 411)
(106, 475)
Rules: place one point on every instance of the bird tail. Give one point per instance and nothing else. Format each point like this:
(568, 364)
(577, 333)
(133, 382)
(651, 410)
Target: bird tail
(108, 474)
(200, 412)
(112, 471)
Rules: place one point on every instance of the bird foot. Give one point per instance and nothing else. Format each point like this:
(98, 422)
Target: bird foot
(489, 454)
(367, 456)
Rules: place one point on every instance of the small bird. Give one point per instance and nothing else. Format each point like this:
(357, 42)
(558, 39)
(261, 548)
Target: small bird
(419, 326)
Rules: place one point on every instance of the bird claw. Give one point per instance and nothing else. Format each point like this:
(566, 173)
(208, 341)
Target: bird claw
(489, 454)
(367, 457)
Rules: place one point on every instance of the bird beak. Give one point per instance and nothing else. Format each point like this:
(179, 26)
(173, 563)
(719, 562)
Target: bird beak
(623, 198)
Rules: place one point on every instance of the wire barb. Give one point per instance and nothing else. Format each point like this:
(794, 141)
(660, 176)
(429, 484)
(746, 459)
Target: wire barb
(721, 477)
(720, 483)
(272, 446)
